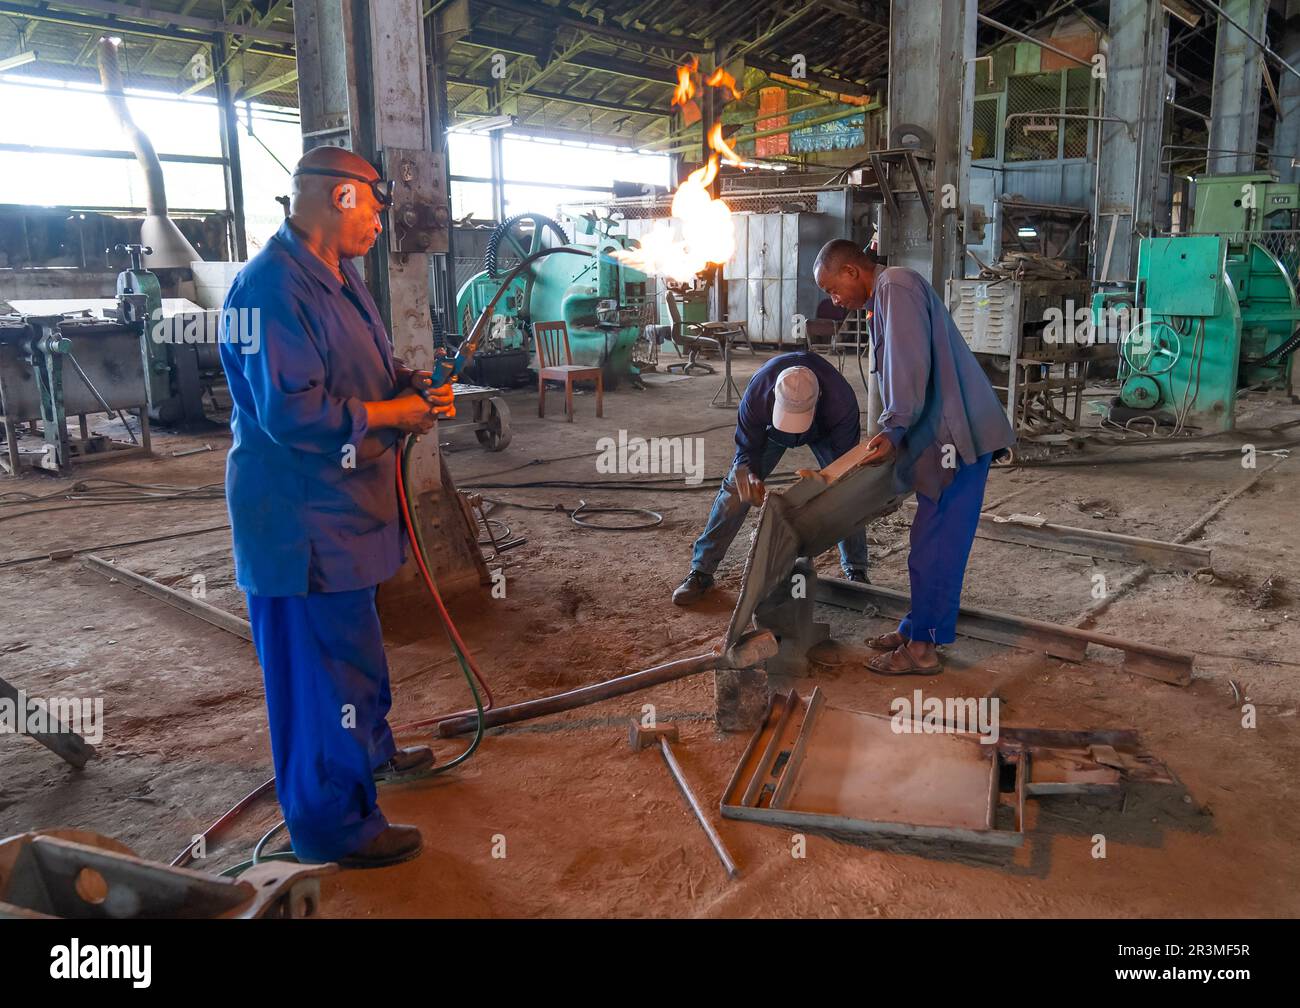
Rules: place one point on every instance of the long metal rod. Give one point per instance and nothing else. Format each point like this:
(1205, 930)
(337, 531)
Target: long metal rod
(582, 696)
(675, 769)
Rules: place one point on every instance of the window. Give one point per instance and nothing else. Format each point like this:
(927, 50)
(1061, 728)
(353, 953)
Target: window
(471, 198)
(1030, 136)
(984, 129)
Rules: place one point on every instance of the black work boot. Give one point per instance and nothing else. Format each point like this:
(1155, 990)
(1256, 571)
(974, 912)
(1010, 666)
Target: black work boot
(397, 843)
(695, 585)
(409, 760)
(858, 577)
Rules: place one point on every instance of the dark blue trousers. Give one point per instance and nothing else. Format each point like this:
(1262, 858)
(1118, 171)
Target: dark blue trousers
(327, 700)
(728, 515)
(942, 533)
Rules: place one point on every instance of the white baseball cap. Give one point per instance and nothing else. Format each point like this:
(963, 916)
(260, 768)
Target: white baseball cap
(795, 400)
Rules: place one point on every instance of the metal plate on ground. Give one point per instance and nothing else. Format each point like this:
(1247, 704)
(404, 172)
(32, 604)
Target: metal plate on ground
(813, 766)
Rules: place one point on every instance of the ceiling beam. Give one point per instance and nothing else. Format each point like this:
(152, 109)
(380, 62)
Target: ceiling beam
(595, 103)
(566, 17)
(156, 17)
(483, 38)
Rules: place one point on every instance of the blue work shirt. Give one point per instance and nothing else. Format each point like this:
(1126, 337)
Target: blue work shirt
(309, 487)
(932, 389)
(835, 420)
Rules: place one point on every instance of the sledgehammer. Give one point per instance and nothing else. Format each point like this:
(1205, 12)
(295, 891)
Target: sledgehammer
(640, 737)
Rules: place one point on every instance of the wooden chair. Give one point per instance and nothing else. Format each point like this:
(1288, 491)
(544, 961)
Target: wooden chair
(551, 338)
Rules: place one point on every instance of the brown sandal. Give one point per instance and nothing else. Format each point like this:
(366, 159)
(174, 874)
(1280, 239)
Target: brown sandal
(891, 641)
(883, 665)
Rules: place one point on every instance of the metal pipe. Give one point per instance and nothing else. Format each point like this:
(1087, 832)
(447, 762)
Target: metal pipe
(788, 128)
(1068, 115)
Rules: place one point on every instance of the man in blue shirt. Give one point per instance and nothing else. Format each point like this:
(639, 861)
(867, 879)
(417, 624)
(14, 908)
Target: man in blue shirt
(319, 406)
(794, 399)
(943, 423)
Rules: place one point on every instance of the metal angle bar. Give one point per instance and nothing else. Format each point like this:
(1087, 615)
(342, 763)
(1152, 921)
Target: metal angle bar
(59, 739)
(180, 600)
(1069, 643)
(94, 152)
(1089, 542)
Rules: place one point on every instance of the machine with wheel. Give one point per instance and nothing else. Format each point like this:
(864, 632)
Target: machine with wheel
(602, 301)
(1208, 317)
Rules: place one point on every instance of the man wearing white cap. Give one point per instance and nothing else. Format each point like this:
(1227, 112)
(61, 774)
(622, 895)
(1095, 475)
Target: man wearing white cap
(794, 399)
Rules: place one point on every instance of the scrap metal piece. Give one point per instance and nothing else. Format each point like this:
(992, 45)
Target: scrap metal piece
(54, 876)
(805, 519)
(56, 736)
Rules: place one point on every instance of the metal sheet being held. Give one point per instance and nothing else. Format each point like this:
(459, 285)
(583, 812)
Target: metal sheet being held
(805, 519)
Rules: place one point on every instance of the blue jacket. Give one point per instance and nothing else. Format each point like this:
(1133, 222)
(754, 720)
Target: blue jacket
(933, 391)
(309, 487)
(836, 420)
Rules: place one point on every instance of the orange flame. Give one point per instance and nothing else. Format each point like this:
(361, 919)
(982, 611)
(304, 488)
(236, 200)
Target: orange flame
(720, 78)
(685, 85)
(700, 233)
(721, 146)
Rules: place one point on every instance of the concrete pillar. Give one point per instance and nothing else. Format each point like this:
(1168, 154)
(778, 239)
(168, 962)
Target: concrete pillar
(931, 84)
(1286, 131)
(1234, 107)
(1129, 168)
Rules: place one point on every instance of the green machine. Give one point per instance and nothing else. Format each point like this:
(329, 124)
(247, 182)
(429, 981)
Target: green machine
(601, 300)
(1211, 313)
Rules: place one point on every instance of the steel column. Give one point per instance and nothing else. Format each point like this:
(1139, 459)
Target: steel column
(232, 167)
(1286, 130)
(1129, 156)
(1238, 68)
(931, 85)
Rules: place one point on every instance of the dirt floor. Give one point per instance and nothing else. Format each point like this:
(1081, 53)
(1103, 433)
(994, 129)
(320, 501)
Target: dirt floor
(589, 828)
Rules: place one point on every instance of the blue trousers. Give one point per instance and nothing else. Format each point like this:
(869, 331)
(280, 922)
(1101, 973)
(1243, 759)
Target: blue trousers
(327, 700)
(942, 533)
(729, 512)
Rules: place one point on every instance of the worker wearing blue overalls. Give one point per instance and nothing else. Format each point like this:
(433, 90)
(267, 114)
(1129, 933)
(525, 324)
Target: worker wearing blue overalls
(942, 422)
(794, 399)
(319, 406)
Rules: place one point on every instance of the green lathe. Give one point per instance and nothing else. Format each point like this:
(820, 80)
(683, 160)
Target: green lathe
(1213, 311)
(602, 301)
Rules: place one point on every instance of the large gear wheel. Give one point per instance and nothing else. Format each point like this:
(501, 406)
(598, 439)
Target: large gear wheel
(517, 238)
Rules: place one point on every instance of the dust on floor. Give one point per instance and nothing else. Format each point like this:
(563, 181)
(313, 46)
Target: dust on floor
(559, 818)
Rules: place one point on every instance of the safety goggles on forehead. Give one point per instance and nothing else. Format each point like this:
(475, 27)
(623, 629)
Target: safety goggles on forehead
(381, 187)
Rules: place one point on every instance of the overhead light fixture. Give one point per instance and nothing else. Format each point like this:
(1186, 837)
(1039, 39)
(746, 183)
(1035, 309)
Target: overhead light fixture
(1026, 232)
(489, 124)
(17, 60)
